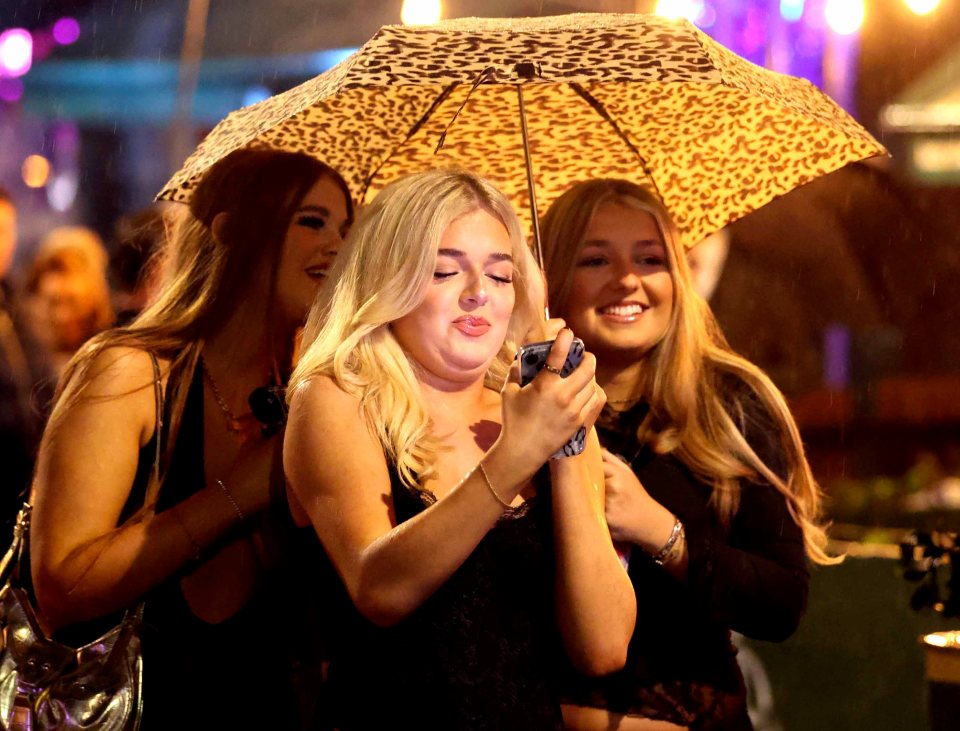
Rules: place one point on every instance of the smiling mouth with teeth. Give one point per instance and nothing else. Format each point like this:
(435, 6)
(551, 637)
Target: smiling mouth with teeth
(623, 310)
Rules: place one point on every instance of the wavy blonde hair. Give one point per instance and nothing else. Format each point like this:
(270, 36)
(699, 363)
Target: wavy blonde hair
(389, 261)
(204, 279)
(692, 411)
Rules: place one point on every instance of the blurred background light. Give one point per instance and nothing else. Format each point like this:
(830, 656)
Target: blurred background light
(254, 94)
(62, 191)
(791, 10)
(707, 16)
(35, 171)
(11, 90)
(922, 7)
(16, 52)
(689, 9)
(844, 16)
(66, 31)
(421, 12)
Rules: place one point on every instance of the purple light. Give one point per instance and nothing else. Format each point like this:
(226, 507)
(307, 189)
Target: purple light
(11, 90)
(16, 52)
(66, 31)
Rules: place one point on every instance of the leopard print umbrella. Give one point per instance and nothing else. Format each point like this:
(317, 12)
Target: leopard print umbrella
(639, 97)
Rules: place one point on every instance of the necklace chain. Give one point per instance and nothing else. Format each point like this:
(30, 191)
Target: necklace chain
(234, 422)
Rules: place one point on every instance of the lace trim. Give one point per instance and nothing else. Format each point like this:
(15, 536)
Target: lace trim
(518, 511)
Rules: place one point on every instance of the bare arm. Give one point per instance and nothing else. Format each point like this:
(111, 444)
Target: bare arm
(339, 475)
(84, 565)
(596, 606)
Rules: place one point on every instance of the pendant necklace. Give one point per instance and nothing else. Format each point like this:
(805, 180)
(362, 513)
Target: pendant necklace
(245, 426)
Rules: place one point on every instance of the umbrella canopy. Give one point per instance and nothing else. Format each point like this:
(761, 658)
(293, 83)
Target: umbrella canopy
(639, 97)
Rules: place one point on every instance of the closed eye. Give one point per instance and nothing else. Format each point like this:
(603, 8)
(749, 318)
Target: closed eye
(443, 275)
(500, 279)
(592, 261)
(315, 222)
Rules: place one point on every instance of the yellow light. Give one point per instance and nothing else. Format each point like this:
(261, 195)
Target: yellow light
(844, 16)
(674, 9)
(421, 12)
(922, 7)
(36, 171)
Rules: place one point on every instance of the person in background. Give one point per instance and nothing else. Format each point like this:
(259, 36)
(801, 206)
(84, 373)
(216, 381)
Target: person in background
(67, 291)
(245, 260)
(134, 262)
(26, 383)
(707, 484)
(459, 543)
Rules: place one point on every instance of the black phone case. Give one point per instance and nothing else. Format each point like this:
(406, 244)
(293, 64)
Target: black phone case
(532, 359)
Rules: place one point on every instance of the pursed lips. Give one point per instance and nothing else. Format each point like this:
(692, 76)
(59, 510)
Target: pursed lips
(470, 325)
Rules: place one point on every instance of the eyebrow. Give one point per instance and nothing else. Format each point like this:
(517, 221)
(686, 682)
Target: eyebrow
(603, 243)
(459, 254)
(314, 209)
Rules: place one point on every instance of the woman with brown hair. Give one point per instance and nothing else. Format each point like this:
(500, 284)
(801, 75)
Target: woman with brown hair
(708, 490)
(243, 265)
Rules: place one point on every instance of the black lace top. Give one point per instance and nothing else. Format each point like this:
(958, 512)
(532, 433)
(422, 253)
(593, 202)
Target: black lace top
(752, 579)
(475, 655)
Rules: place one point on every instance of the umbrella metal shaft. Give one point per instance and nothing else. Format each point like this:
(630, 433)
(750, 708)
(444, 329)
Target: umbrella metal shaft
(538, 249)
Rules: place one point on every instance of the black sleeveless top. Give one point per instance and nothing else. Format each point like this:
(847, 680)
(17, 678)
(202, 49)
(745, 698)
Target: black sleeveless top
(235, 674)
(476, 655)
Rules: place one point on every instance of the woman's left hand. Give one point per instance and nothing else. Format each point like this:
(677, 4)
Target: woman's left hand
(626, 499)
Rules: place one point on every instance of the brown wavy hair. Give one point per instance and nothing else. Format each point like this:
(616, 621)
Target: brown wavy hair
(204, 279)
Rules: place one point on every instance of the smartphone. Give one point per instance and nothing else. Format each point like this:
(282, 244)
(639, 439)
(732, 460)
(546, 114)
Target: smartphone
(533, 357)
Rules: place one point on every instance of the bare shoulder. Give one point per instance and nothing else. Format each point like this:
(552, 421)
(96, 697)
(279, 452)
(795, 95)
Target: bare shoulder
(328, 447)
(325, 420)
(118, 390)
(120, 370)
(320, 400)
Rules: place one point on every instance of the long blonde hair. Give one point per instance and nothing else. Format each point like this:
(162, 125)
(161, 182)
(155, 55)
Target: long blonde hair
(687, 381)
(204, 279)
(389, 262)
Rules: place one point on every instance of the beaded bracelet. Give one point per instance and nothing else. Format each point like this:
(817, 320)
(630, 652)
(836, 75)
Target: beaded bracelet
(661, 557)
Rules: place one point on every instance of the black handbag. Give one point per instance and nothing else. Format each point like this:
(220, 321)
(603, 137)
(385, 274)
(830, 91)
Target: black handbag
(46, 685)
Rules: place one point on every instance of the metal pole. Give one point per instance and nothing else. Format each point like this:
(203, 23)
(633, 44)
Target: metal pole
(191, 54)
(537, 248)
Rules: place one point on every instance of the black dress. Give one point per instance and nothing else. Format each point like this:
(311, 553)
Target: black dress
(476, 654)
(232, 675)
(752, 579)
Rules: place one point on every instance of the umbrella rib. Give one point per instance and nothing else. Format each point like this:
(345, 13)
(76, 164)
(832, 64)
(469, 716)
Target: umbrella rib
(602, 111)
(440, 98)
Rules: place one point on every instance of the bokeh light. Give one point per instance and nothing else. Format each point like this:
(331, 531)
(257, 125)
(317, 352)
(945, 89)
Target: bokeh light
(844, 16)
(11, 90)
(16, 52)
(421, 12)
(791, 10)
(922, 7)
(35, 171)
(675, 9)
(66, 31)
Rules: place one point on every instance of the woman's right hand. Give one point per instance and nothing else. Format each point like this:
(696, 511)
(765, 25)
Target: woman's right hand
(539, 418)
(257, 468)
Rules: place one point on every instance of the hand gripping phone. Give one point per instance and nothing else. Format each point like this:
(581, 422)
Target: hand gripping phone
(533, 357)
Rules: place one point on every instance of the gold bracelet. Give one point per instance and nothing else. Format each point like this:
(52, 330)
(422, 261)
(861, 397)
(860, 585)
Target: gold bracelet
(490, 486)
(233, 502)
